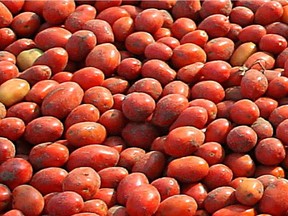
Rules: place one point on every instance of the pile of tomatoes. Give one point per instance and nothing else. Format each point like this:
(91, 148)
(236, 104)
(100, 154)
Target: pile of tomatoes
(143, 108)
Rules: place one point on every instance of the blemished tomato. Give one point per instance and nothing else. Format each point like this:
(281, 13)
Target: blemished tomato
(15, 172)
(198, 191)
(143, 200)
(85, 181)
(166, 187)
(177, 205)
(34, 201)
(111, 176)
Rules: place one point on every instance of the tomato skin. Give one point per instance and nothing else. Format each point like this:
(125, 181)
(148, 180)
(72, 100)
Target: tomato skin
(56, 155)
(265, 58)
(241, 15)
(187, 8)
(129, 156)
(101, 29)
(85, 133)
(198, 191)
(34, 201)
(82, 113)
(139, 134)
(197, 168)
(158, 50)
(83, 180)
(276, 206)
(99, 157)
(65, 203)
(241, 164)
(6, 16)
(172, 109)
(48, 180)
(166, 187)
(278, 115)
(107, 58)
(7, 149)
(136, 42)
(131, 181)
(15, 171)
(270, 17)
(55, 101)
(263, 128)
(219, 198)
(51, 130)
(76, 20)
(143, 200)
(108, 195)
(94, 206)
(56, 12)
(183, 141)
(220, 48)
(12, 128)
(182, 205)
(208, 89)
(186, 54)
(151, 164)
(5, 197)
(123, 27)
(145, 20)
(8, 70)
(129, 68)
(237, 209)
(111, 176)
(258, 31)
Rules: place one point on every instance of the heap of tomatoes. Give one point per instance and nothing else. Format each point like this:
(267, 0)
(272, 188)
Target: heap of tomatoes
(143, 108)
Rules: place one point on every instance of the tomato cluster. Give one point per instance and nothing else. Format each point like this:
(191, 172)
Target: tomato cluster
(143, 108)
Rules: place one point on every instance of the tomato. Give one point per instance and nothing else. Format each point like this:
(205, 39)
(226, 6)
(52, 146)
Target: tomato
(166, 187)
(101, 29)
(182, 26)
(128, 184)
(218, 130)
(65, 203)
(5, 197)
(218, 175)
(12, 128)
(145, 20)
(105, 57)
(217, 70)
(266, 105)
(198, 37)
(147, 85)
(212, 152)
(51, 15)
(236, 209)
(116, 142)
(76, 20)
(129, 156)
(241, 164)
(151, 164)
(139, 134)
(136, 42)
(186, 54)
(278, 115)
(281, 132)
(6, 16)
(34, 201)
(95, 156)
(176, 87)
(159, 51)
(143, 200)
(198, 191)
(266, 180)
(190, 74)
(129, 68)
(249, 192)
(276, 206)
(8, 70)
(216, 25)
(268, 13)
(272, 43)
(15, 172)
(138, 106)
(263, 128)
(48, 154)
(48, 180)
(111, 176)
(192, 169)
(85, 181)
(177, 205)
(275, 170)
(208, 89)
(51, 129)
(97, 206)
(241, 15)
(85, 133)
(186, 8)
(123, 27)
(168, 108)
(220, 48)
(7, 149)
(183, 141)
(219, 198)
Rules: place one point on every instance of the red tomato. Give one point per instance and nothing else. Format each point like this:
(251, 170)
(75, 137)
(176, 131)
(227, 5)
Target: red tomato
(166, 187)
(7, 149)
(8, 70)
(198, 191)
(111, 176)
(48, 154)
(95, 156)
(6, 16)
(97, 206)
(5, 197)
(12, 128)
(177, 205)
(129, 156)
(85, 181)
(143, 200)
(212, 152)
(34, 201)
(48, 180)
(149, 20)
(15, 172)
